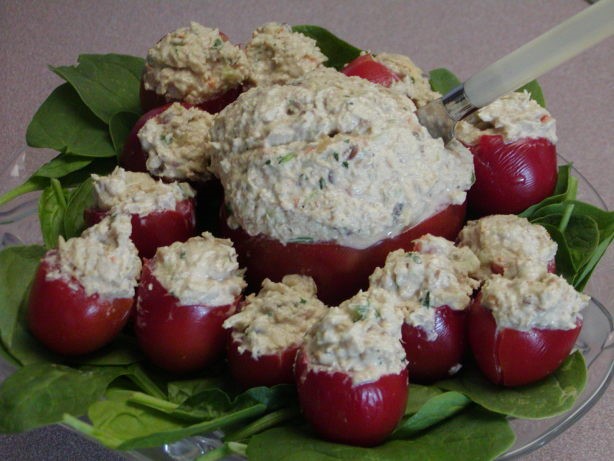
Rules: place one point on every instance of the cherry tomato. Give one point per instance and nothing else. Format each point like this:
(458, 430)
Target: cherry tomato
(429, 361)
(156, 229)
(510, 177)
(363, 414)
(266, 370)
(151, 100)
(133, 157)
(176, 337)
(366, 67)
(339, 271)
(68, 321)
(512, 357)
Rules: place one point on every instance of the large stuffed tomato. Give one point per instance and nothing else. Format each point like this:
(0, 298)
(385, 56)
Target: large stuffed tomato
(67, 320)
(176, 337)
(510, 176)
(368, 68)
(363, 414)
(264, 370)
(429, 361)
(511, 357)
(339, 271)
(155, 229)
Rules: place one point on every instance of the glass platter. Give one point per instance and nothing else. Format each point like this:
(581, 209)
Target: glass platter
(19, 224)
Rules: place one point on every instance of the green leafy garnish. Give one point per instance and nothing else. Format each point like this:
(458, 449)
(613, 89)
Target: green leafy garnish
(338, 51)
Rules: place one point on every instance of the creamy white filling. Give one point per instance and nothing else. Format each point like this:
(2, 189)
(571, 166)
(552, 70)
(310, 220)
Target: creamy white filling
(103, 259)
(137, 193)
(200, 271)
(510, 244)
(413, 82)
(435, 275)
(361, 338)
(176, 143)
(548, 302)
(194, 64)
(276, 54)
(514, 116)
(332, 158)
(278, 317)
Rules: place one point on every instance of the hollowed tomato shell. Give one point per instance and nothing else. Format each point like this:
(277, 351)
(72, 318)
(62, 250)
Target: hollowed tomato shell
(68, 321)
(429, 361)
(155, 229)
(338, 271)
(178, 338)
(266, 370)
(363, 414)
(512, 176)
(512, 357)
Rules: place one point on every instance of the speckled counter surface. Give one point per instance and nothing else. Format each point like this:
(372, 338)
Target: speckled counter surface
(461, 35)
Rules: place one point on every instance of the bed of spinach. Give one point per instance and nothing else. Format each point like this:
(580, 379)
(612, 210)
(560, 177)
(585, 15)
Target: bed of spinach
(130, 405)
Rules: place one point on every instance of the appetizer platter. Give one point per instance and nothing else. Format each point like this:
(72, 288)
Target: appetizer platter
(267, 251)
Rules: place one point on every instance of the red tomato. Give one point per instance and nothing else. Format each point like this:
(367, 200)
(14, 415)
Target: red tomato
(366, 67)
(176, 337)
(512, 357)
(339, 272)
(510, 177)
(133, 157)
(151, 100)
(156, 229)
(429, 361)
(68, 321)
(363, 414)
(266, 370)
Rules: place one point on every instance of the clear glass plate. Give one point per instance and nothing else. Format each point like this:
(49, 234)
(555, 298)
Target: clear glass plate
(19, 224)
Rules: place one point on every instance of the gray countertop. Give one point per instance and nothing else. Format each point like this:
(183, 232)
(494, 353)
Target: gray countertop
(464, 36)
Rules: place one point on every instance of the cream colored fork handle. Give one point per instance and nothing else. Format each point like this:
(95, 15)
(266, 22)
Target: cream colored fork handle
(542, 54)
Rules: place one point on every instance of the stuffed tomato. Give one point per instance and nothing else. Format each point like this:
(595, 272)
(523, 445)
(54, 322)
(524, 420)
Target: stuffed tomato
(351, 372)
(521, 330)
(513, 144)
(196, 65)
(432, 288)
(328, 188)
(161, 213)
(268, 330)
(186, 292)
(83, 291)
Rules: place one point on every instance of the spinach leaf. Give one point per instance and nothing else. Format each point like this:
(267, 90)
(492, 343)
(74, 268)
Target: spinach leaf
(433, 411)
(472, 435)
(120, 125)
(51, 209)
(180, 391)
(31, 185)
(65, 124)
(78, 201)
(535, 90)
(338, 51)
(418, 396)
(107, 84)
(443, 80)
(40, 394)
(62, 165)
(549, 397)
(565, 189)
(18, 265)
(121, 423)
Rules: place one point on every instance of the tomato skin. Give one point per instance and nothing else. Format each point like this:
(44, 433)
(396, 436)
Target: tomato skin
(512, 357)
(266, 370)
(68, 321)
(151, 100)
(364, 414)
(156, 229)
(510, 177)
(338, 271)
(429, 361)
(175, 337)
(366, 67)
